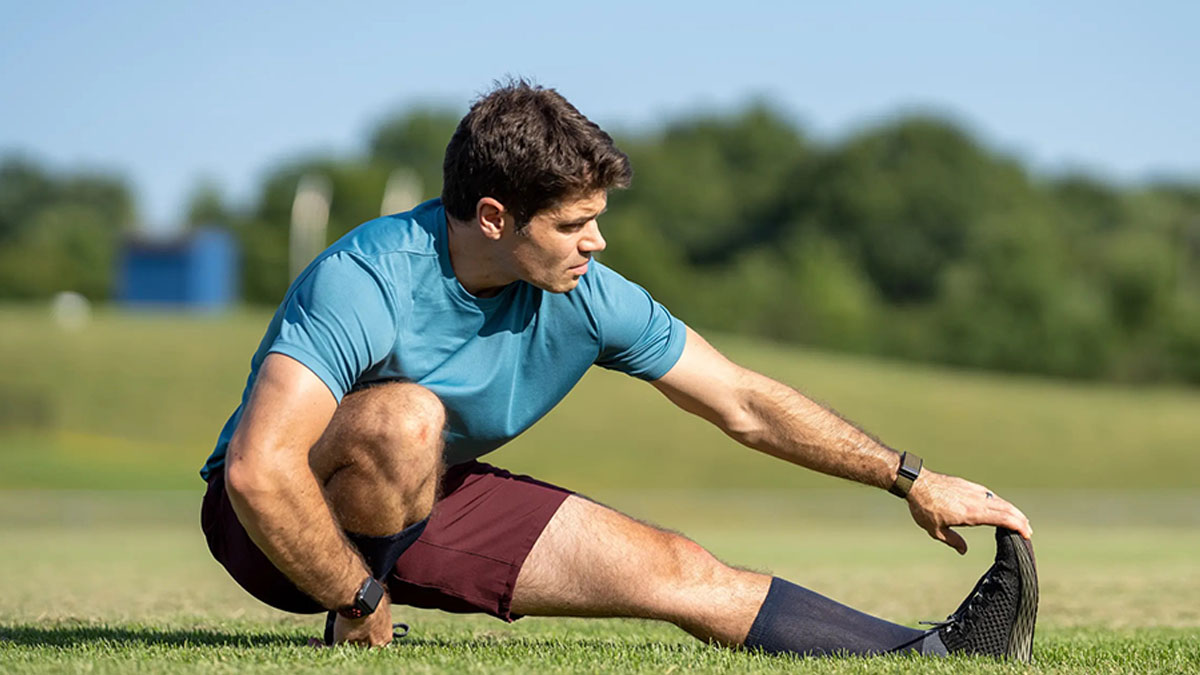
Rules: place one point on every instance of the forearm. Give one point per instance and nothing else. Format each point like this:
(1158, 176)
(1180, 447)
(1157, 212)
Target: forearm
(782, 422)
(285, 514)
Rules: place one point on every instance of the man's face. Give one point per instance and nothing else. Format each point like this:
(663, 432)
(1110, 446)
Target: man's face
(553, 250)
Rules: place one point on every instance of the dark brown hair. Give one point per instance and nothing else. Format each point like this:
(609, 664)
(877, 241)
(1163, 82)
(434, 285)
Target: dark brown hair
(530, 149)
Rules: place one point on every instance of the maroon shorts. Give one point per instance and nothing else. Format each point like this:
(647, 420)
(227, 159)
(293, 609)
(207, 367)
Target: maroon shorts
(467, 560)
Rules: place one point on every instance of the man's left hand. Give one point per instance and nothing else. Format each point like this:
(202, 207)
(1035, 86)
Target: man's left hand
(939, 502)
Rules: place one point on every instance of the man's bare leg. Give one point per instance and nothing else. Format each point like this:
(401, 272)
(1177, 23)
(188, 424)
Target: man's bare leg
(594, 561)
(379, 463)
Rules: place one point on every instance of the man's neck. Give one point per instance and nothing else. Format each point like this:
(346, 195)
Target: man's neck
(473, 258)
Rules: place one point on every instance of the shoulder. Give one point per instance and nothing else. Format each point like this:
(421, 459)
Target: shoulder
(606, 290)
(393, 248)
(411, 233)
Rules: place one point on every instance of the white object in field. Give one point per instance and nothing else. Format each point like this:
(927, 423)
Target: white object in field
(71, 310)
(403, 192)
(310, 218)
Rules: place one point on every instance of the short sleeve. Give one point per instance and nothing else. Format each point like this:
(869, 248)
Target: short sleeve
(638, 336)
(339, 321)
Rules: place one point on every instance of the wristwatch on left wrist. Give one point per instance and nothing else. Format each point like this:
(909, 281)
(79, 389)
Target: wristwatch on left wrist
(365, 600)
(906, 475)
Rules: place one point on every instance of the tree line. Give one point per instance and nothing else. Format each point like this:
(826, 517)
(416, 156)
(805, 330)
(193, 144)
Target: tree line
(908, 239)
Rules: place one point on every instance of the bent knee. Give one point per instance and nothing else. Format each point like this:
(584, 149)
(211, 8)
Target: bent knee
(393, 427)
(398, 414)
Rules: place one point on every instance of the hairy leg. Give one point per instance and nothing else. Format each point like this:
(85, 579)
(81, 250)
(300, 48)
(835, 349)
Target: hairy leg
(594, 561)
(379, 460)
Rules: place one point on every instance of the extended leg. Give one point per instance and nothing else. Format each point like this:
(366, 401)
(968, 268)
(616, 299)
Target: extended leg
(593, 561)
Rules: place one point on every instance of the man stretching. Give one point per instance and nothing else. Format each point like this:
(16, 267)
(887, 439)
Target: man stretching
(348, 478)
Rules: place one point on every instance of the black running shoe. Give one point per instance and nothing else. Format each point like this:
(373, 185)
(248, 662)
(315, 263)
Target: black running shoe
(997, 618)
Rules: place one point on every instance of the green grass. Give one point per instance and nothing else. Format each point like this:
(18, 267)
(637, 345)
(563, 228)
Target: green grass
(104, 568)
(239, 646)
(121, 581)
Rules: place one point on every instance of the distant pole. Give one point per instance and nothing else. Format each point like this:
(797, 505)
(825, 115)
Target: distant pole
(402, 193)
(310, 218)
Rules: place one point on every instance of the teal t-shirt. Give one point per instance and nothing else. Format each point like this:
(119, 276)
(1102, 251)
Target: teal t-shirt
(383, 302)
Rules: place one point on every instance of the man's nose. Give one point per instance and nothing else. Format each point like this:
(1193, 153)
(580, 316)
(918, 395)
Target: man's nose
(593, 241)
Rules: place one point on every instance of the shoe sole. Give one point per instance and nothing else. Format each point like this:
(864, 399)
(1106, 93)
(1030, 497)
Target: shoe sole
(1020, 638)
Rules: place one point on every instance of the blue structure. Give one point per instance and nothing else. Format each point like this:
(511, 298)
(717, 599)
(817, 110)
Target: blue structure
(197, 271)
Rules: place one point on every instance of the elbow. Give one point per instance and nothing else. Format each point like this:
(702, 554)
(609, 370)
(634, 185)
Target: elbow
(250, 480)
(743, 416)
(742, 425)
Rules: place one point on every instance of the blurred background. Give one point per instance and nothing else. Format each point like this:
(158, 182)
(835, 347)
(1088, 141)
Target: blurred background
(973, 229)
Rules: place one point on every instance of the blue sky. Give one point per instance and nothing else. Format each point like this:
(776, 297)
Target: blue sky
(167, 93)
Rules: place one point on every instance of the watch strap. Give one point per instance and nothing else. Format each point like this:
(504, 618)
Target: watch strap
(910, 468)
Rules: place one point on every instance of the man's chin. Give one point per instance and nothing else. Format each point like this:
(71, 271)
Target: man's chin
(563, 286)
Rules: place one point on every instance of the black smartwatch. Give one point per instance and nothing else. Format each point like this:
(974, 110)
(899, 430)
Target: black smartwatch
(365, 600)
(910, 468)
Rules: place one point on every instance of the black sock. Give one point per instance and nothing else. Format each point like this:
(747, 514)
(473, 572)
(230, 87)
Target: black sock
(381, 553)
(795, 620)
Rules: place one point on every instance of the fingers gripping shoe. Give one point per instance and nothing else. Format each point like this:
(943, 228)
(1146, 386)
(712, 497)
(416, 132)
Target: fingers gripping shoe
(997, 618)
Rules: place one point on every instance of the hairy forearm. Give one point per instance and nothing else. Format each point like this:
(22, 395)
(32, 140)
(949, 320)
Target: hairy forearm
(285, 513)
(782, 422)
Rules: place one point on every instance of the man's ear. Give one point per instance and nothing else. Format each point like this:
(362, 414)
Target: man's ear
(491, 218)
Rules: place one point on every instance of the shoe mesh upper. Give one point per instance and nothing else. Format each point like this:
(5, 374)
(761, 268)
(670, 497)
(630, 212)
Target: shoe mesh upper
(983, 622)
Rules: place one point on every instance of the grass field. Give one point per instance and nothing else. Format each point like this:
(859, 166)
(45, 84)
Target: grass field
(103, 566)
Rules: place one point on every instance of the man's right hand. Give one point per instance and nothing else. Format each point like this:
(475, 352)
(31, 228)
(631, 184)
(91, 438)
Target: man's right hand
(938, 502)
(373, 630)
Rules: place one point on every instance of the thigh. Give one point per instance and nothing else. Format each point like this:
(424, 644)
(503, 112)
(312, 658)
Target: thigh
(467, 559)
(479, 535)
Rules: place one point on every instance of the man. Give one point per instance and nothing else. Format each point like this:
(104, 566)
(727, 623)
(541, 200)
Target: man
(426, 339)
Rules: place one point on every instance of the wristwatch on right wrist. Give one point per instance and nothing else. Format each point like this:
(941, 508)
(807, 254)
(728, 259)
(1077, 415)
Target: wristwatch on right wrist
(365, 600)
(906, 475)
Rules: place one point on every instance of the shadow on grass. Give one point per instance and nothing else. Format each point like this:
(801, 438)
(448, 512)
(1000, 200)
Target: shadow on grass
(139, 636)
(124, 637)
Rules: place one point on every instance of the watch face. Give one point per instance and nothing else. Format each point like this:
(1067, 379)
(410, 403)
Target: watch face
(368, 596)
(365, 601)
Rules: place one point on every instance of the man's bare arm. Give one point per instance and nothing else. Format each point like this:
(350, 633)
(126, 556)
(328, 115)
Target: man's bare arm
(274, 492)
(776, 419)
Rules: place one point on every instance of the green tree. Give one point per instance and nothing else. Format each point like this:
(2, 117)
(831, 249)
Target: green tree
(416, 140)
(903, 199)
(706, 183)
(59, 232)
(207, 206)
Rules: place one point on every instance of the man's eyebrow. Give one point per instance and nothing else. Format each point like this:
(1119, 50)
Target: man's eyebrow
(585, 219)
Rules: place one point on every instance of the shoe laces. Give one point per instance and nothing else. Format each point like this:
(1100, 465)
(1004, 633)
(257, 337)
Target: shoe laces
(961, 618)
